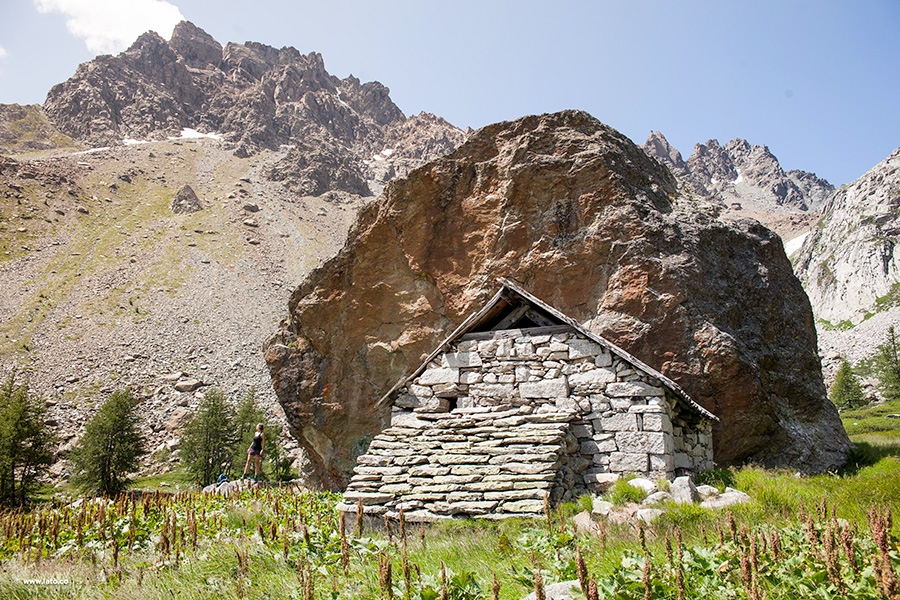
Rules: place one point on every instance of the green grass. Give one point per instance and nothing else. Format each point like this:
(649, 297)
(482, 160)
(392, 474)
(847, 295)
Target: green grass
(888, 301)
(845, 325)
(623, 492)
(242, 541)
(852, 494)
(34, 127)
(873, 419)
(174, 480)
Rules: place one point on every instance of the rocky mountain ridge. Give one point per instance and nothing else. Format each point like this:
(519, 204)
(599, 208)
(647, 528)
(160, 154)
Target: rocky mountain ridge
(850, 262)
(847, 262)
(748, 180)
(581, 217)
(341, 134)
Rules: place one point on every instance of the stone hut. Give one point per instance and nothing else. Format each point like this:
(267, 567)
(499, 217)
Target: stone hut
(522, 405)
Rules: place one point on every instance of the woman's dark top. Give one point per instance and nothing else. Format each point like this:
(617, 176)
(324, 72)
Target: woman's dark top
(257, 442)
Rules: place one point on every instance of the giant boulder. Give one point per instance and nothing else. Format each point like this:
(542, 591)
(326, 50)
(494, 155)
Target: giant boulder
(581, 217)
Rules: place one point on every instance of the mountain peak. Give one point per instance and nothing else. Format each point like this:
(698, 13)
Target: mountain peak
(745, 177)
(258, 97)
(147, 40)
(198, 49)
(659, 148)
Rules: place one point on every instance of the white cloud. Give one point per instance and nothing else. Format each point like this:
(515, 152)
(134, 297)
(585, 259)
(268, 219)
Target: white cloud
(110, 26)
(3, 52)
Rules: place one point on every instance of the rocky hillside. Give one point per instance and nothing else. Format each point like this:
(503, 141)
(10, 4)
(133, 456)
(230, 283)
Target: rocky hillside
(111, 284)
(580, 216)
(340, 134)
(27, 129)
(850, 262)
(747, 180)
(159, 261)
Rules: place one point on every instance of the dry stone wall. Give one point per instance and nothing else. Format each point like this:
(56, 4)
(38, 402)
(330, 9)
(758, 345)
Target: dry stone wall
(491, 462)
(625, 416)
(589, 416)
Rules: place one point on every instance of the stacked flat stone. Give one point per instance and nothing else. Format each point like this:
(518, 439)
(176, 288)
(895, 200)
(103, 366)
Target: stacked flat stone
(480, 462)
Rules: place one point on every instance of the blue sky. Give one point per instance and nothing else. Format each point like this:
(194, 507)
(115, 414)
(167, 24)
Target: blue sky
(816, 81)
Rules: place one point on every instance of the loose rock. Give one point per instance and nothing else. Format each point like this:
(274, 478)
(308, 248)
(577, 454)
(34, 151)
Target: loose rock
(186, 201)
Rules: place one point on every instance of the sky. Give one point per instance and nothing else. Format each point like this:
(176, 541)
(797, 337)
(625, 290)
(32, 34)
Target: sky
(817, 81)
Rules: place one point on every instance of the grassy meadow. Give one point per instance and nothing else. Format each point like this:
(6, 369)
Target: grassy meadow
(824, 536)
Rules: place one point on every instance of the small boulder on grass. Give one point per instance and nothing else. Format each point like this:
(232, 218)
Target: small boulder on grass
(186, 201)
(227, 488)
(585, 524)
(601, 507)
(707, 491)
(684, 491)
(645, 484)
(729, 497)
(657, 497)
(648, 515)
(559, 591)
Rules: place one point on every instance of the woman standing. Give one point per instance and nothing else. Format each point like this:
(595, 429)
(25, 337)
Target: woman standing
(254, 453)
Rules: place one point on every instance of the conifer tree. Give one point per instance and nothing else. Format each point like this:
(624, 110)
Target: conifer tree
(279, 461)
(26, 441)
(208, 438)
(887, 365)
(111, 447)
(846, 391)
